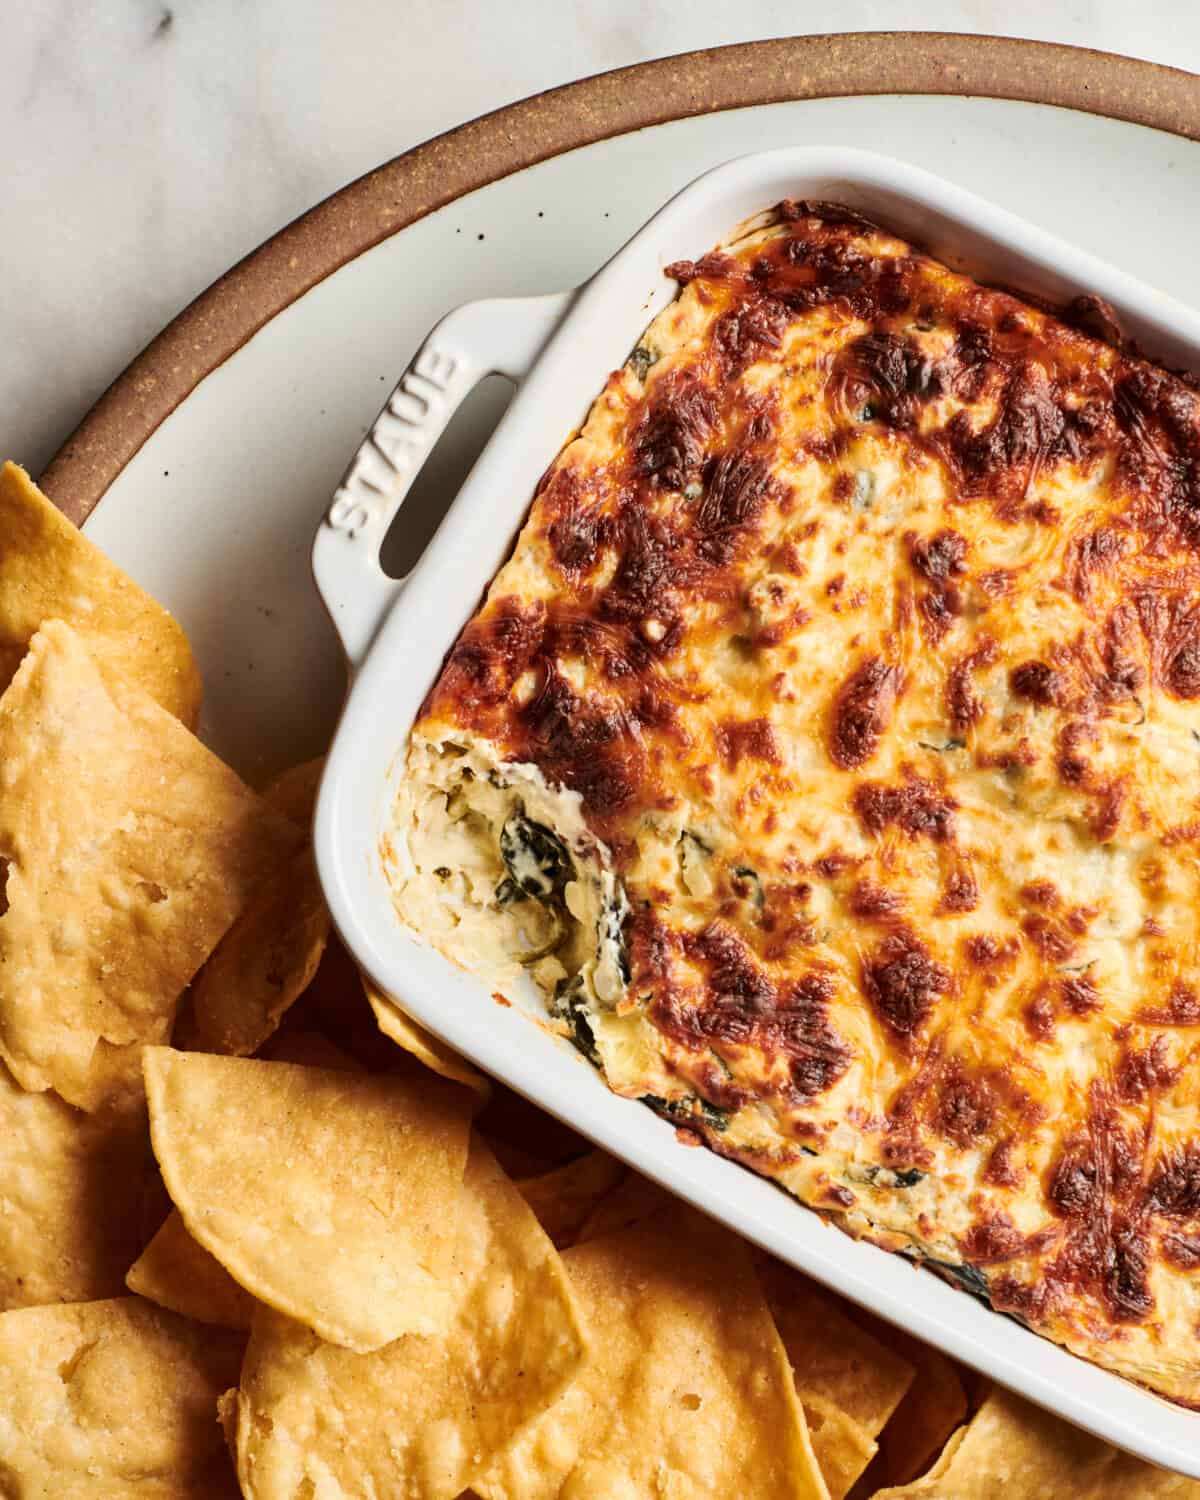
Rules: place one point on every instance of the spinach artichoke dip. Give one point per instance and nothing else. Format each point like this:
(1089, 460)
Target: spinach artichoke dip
(828, 751)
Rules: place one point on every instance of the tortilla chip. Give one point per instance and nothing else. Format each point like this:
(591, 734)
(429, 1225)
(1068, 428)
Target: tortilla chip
(848, 1382)
(128, 849)
(832, 1357)
(49, 570)
(933, 1406)
(335, 1005)
(310, 1050)
(518, 1163)
(422, 1416)
(842, 1448)
(294, 791)
(70, 1197)
(423, 1045)
(263, 963)
(356, 1237)
(565, 1198)
(177, 1273)
(687, 1389)
(938, 1471)
(1012, 1449)
(227, 1410)
(511, 1123)
(635, 1200)
(113, 1400)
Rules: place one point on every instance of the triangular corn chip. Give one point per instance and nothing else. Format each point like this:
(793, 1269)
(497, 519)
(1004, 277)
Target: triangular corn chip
(294, 791)
(49, 570)
(848, 1382)
(565, 1197)
(423, 1045)
(932, 1407)
(632, 1201)
(421, 1416)
(1010, 1449)
(686, 1390)
(263, 963)
(178, 1273)
(331, 1196)
(70, 1196)
(127, 849)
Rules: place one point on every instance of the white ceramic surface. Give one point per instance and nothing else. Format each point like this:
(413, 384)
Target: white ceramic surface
(145, 145)
(396, 639)
(217, 511)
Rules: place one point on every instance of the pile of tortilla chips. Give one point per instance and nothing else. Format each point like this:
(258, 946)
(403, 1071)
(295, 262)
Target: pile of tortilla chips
(262, 1235)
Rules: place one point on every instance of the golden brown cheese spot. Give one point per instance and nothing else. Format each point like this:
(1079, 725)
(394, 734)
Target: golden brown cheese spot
(874, 902)
(1097, 1187)
(1092, 557)
(1173, 1191)
(967, 1106)
(886, 377)
(671, 441)
(1039, 1017)
(1156, 416)
(843, 487)
(1181, 1251)
(987, 948)
(488, 657)
(1143, 1072)
(960, 893)
(996, 1238)
(958, 1099)
(939, 609)
(1054, 942)
(742, 335)
(1171, 624)
(747, 739)
(861, 712)
(903, 982)
(1109, 809)
(739, 1005)
(1001, 1171)
(1181, 1008)
(938, 558)
(1072, 763)
(964, 706)
(1040, 683)
(1080, 997)
(916, 806)
(733, 499)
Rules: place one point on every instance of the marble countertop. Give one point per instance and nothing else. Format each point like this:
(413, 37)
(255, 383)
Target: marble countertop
(149, 144)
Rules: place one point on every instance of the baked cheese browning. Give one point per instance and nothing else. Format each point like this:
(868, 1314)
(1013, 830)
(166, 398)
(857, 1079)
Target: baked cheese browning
(850, 656)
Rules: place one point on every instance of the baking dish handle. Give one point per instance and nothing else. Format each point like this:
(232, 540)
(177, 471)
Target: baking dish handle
(497, 337)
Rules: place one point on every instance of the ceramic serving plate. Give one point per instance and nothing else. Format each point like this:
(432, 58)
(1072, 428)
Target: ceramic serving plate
(559, 349)
(212, 507)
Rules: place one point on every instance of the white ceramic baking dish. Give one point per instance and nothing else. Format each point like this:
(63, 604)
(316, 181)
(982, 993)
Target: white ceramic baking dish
(559, 349)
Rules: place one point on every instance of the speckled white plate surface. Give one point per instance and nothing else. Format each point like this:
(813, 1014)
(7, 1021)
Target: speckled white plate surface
(217, 511)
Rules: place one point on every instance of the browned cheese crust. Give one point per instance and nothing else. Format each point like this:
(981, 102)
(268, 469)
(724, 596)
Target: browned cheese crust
(888, 582)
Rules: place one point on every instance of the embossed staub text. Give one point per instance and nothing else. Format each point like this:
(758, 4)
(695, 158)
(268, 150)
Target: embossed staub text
(396, 444)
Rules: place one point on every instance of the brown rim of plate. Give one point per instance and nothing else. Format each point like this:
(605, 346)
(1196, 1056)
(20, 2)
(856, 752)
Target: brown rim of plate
(432, 175)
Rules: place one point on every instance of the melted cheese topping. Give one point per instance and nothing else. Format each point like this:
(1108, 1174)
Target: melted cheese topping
(851, 653)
